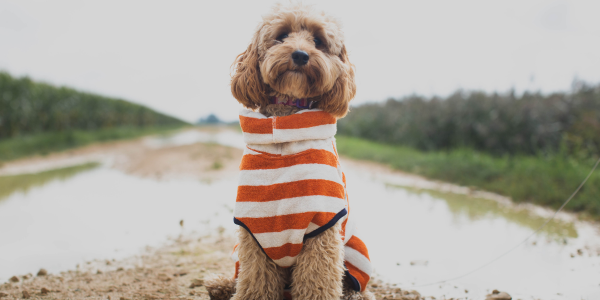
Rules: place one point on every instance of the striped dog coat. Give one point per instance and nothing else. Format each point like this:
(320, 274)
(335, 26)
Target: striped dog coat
(291, 188)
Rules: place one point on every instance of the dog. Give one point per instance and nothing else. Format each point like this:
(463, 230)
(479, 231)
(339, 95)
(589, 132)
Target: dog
(297, 240)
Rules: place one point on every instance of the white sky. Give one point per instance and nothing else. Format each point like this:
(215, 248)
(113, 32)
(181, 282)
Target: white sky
(174, 56)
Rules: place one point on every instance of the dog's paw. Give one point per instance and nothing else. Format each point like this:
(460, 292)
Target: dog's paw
(219, 287)
(354, 295)
(351, 295)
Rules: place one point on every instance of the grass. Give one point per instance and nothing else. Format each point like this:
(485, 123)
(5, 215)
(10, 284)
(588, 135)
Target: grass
(44, 143)
(24, 182)
(540, 180)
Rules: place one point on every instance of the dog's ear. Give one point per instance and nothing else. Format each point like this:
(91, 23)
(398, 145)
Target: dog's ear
(246, 84)
(337, 100)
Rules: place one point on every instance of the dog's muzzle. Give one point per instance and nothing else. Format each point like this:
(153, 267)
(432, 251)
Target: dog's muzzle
(302, 103)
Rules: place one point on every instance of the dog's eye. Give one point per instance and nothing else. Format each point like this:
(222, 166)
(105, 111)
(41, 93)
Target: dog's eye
(317, 41)
(282, 36)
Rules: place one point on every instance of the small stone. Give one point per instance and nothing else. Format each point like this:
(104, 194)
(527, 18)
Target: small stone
(108, 297)
(3, 295)
(579, 251)
(120, 269)
(42, 272)
(14, 279)
(196, 283)
(497, 295)
(45, 291)
(467, 291)
(419, 263)
(164, 277)
(180, 273)
(26, 294)
(98, 272)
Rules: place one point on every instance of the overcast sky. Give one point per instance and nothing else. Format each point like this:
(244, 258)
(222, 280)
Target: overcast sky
(175, 56)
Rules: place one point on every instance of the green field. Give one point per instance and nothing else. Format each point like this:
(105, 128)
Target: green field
(28, 107)
(39, 118)
(541, 180)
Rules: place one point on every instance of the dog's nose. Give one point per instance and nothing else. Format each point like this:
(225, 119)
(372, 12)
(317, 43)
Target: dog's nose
(300, 57)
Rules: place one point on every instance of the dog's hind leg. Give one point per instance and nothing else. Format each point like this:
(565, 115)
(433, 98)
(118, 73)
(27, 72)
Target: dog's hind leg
(259, 277)
(320, 267)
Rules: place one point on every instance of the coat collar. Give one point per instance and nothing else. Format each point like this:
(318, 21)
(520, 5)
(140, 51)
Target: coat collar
(308, 124)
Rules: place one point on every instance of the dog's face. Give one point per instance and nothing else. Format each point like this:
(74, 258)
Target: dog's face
(297, 53)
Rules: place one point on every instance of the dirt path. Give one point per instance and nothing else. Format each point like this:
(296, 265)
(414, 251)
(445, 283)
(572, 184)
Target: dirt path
(177, 270)
(143, 157)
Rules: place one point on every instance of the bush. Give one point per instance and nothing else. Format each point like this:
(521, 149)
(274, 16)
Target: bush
(28, 107)
(499, 124)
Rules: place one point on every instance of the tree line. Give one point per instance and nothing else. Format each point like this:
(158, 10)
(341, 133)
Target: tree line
(497, 123)
(28, 107)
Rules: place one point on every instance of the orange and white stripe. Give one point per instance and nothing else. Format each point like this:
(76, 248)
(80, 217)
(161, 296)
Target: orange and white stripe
(291, 188)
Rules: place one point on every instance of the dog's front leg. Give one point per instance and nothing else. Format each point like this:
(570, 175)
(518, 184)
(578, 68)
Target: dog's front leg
(320, 267)
(259, 277)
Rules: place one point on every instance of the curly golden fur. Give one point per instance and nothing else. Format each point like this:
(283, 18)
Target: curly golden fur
(264, 70)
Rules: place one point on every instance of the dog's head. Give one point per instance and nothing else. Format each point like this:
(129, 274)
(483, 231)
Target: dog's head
(298, 53)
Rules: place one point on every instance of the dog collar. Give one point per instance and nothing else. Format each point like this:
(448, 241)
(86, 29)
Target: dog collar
(299, 103)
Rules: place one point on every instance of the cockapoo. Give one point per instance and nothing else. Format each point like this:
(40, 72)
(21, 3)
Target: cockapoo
(296, 237)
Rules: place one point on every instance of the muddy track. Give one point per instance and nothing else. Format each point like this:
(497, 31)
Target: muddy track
(143, 157)
(176, 270)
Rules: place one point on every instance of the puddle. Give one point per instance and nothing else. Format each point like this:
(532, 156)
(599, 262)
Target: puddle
(415, 237)
(103, 214)
(420, 237)
(22, 183)
(478, 208)
(222, 136)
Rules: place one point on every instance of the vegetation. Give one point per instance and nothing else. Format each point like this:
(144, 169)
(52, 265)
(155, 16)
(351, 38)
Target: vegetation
(548, 180)
(209, 120)
(37, 118)
(28, 107)
(499, 124)
(535, 148)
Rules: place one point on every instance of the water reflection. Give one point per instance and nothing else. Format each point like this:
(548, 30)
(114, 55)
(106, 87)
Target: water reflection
(24, 182)
(477, 208)
(104, 214)
(455, 234)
